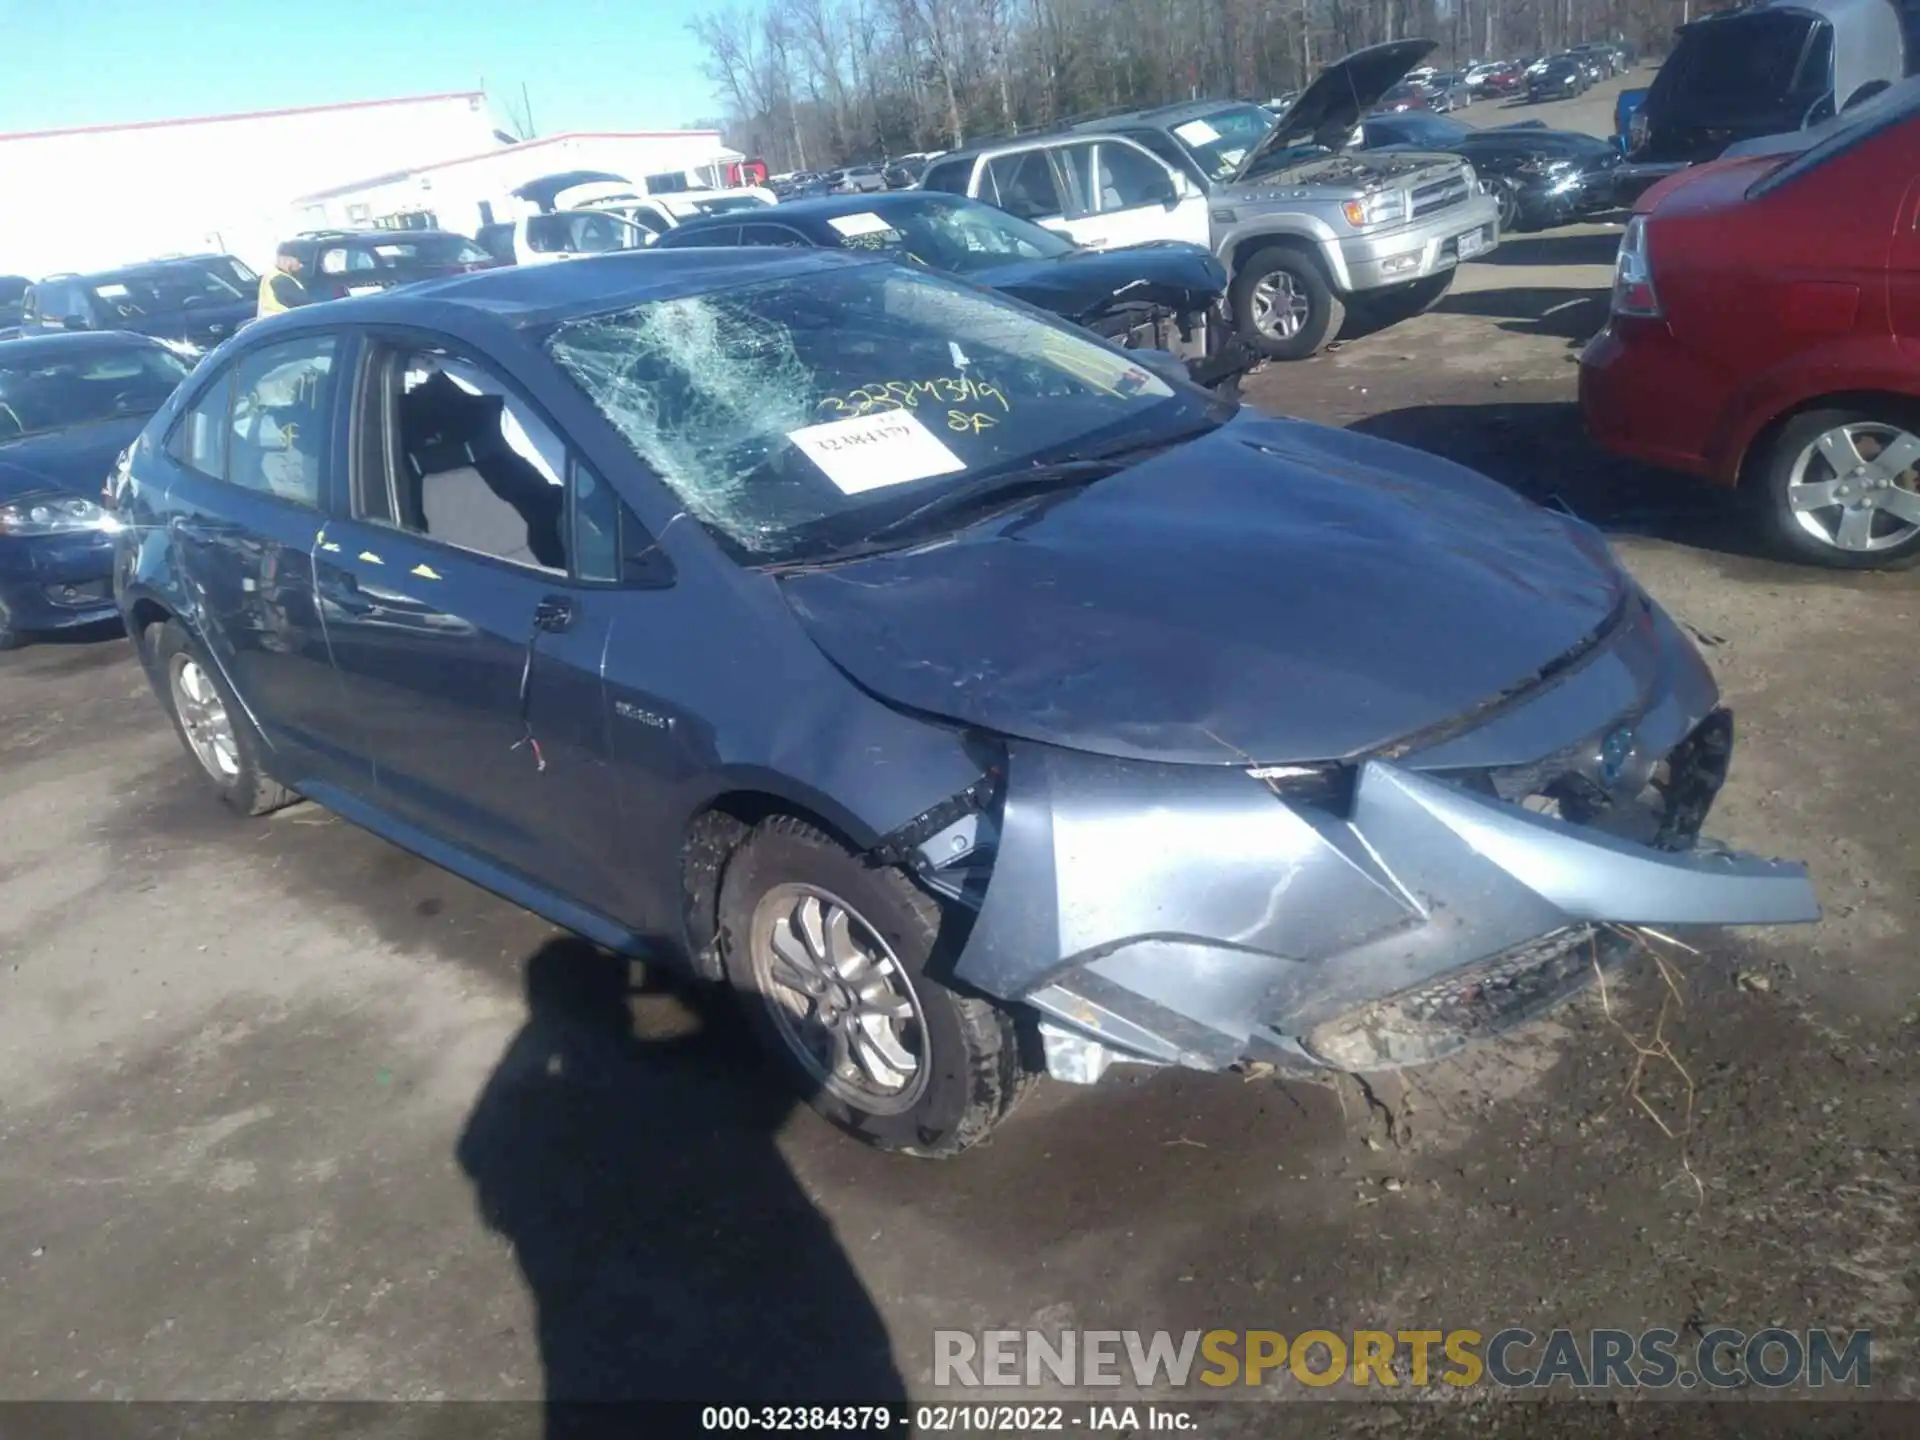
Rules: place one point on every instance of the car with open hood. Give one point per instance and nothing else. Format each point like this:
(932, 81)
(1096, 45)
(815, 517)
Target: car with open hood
(1766, 68)
(1304, 224)
(1539, 176)
(969, 698)
(1161, 295)
(70, 405)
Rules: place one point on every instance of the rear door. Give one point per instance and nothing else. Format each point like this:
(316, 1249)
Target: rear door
(1028, 184)
(1122, 194)
(250, 471)
(465, 584)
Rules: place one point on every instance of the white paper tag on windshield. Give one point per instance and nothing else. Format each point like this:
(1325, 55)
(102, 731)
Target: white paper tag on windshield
(1197, 132)
(870, 452)
(865, 223)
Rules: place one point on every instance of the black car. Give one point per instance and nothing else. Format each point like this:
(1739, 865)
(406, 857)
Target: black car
(967, 698)
(195, 302)
(335, 264)
(1162, 295)
(69, 406)
(1542, 177)
(1560, 78)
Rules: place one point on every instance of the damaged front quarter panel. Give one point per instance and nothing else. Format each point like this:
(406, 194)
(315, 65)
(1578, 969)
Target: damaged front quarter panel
(1200, 916)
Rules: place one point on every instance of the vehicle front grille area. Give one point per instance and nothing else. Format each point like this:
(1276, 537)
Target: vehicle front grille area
(1666, 813)
(1439, 195)
(1434, 1019)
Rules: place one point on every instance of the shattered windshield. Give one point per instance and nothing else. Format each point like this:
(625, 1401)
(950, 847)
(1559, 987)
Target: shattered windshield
(949, 233)
(103, 384)
(795, 417)
(1221, 139)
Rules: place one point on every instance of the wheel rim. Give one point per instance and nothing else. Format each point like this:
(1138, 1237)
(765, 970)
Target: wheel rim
(1280, 310)
(1509, 199)
(1855, 487)
(203, 716)
(840, 998)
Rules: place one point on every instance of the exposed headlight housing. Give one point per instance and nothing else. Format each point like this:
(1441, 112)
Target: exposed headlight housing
(1381, 209)
(54, 515)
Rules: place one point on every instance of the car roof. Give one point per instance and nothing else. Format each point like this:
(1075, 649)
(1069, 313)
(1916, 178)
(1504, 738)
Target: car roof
(822, 207)
(58, 345)
(522, 296)
(123, 272)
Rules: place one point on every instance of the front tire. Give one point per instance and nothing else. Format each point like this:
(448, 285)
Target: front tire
(1283, 305)
(1841, 488)
(828, 955)
(212, 724)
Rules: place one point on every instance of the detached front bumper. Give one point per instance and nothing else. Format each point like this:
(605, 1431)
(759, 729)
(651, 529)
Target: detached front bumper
(1427, 246)
(1362, 917)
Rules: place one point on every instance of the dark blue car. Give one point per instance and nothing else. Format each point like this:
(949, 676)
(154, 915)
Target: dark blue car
(69, 405)
(194, 302)
(970, 698)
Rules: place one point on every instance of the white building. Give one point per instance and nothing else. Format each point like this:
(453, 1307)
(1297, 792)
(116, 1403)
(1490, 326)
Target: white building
(99, 196)
(465, 192)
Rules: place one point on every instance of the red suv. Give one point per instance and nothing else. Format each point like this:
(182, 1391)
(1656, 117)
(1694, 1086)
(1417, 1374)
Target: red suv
(1765, 333)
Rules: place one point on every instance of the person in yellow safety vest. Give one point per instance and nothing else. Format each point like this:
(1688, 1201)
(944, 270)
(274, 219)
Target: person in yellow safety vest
(281, 287)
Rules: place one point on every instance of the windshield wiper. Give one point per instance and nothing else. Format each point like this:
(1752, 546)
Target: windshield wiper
(999, 485)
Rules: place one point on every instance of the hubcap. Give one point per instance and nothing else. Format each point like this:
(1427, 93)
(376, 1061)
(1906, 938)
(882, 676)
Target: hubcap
(203, 716)
(1279, 309)
(1855, 487)
(840, 998)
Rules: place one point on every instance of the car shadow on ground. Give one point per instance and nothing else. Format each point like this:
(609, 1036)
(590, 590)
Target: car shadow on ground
(669, 1249)
(1541, 450)
(1559, 312)
(1584, 248)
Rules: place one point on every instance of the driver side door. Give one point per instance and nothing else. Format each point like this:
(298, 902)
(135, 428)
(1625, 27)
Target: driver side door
(1124, 195)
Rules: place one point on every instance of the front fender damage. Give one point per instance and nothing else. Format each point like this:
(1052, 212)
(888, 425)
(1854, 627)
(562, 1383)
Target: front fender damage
(1202, 917)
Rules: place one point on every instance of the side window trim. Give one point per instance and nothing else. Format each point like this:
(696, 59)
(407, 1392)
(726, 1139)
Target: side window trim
(1073, 176)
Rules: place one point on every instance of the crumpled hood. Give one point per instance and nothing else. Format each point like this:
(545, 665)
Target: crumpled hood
(77, 460)
(1279, 592)
(1084, 283)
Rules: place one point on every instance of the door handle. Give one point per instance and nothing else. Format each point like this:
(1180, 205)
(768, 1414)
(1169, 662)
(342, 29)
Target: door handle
(553, 614)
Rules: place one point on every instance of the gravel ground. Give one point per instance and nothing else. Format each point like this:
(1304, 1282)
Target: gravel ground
(271, 1126)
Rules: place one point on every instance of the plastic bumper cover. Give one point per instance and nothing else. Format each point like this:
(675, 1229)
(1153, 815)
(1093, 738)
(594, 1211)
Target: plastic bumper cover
(1193, 916)
(1426, 247)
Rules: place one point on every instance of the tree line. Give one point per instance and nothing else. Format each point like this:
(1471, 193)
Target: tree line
(810, 84)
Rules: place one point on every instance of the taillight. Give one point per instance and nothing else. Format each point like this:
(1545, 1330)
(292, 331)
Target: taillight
(1633, 292)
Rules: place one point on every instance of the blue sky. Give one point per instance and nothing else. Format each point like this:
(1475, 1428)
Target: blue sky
(588, 64)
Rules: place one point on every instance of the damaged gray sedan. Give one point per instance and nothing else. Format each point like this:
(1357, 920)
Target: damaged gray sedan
(972, 699)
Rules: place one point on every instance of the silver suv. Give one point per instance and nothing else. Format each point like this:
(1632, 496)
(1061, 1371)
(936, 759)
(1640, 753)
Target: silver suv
(1304, 228)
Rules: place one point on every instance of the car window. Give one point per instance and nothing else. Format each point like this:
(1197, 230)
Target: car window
(596, 526)
(470, 464)
(199, 439)
(706, 235)
(772, 235)
(953, 176)
(650, 219)
(282, 405)
(793, 416)
(1124, 178)
(1023, 185)
(1221, 139)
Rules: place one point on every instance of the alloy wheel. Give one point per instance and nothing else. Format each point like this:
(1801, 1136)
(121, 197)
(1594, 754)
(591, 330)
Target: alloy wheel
(840, 998)
(1280, 310)
(203, 718)
(1856, 487)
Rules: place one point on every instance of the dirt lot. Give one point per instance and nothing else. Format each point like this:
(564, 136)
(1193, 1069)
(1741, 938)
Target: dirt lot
(268, 1133)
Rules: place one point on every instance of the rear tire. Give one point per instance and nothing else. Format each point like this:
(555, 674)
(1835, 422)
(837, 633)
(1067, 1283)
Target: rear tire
(1282, 304)
(828, 955)
(212, 724)
(1797, 484)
